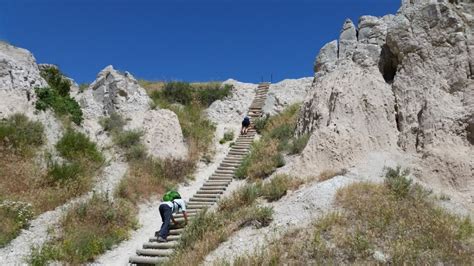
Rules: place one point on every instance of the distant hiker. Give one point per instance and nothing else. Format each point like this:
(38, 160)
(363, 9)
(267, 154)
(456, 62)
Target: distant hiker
(245, 125)
(171, 204)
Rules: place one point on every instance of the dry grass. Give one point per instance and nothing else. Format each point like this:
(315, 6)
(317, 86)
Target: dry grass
(328, 174)
(209, 229)
(151, 86)
(88, 230)
(151, 177)
(24, 182)
(407, 229)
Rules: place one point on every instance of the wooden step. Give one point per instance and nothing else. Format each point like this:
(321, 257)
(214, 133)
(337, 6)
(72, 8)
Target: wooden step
(218, 191)
(170, 238)
(203, 200)
(147, 260)
(206, 196)
(213, 188)
(160, 245)
(155, 252)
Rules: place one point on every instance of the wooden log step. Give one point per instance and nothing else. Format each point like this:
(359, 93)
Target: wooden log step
(147, 260)
(160, 245)
(218, 191)
(213, 188)
(203, 200)
(170, 238)
(155, 252)
(207, 196)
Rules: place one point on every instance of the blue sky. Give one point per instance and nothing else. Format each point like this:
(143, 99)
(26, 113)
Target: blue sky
(181, 40)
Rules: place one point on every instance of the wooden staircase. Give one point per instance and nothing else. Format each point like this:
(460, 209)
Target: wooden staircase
(154, 252)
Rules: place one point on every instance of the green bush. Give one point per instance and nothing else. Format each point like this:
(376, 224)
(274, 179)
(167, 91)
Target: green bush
(113, 123)
(56, 80)
(89, 229)
(212, 92)
(56, 96)
(21, 134)
(276, 188)
(397, 181)
(260, 123)
(257, 216)
(228, 136)
(63, 173)
(128, 139)
(178, 92)
(245, 196)
(75, 146)
(61, 105)
(298, 144)
(241, 172)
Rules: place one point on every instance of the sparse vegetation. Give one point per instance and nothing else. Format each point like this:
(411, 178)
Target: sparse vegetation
(228, 136)
(89, 229)
(20, 135)
(113, 123)
(188, 102)
(56, 96)
(298, 144)
(26, 189)
(277, 138)
(75, 146)
(396, 219)
(15, 216)
(209, 229)
(83, 87)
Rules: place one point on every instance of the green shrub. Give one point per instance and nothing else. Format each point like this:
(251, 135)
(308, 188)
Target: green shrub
(62, 105)
(298, 144)
(212, 92)
(245, 196)
(75, 146)
(397, 181)
(89, 229)
(128, 139)
(56, 80)
(228, 136)
(113, 123)
(276, 187)
(56, 95)
(63, 173)
(241, 172)
(21, 134)
(260, 123)
(257, 216)
(178, 92)
(15, 217)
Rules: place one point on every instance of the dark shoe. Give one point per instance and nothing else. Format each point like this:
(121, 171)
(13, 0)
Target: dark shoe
(160, 239)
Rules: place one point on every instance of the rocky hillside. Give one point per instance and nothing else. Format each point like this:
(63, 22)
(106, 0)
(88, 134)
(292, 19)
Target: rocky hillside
(401, 84)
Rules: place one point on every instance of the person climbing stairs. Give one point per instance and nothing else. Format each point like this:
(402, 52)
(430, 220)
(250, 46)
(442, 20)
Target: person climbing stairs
(154, 252)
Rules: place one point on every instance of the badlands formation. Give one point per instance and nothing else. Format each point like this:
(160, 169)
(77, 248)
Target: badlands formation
(393, 90)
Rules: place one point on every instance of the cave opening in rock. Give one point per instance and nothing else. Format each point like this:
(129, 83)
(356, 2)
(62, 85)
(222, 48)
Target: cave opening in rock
(388, 64)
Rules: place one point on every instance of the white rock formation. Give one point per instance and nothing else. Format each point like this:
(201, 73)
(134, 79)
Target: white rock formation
(404, 85)
(286, 92)
(19, 75)
(235, 107)
(113, 91)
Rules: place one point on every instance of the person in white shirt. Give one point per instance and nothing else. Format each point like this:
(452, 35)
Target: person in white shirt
(167, 209)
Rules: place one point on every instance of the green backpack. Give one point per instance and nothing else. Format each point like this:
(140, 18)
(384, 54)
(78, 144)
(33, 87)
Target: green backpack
(171, 195)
